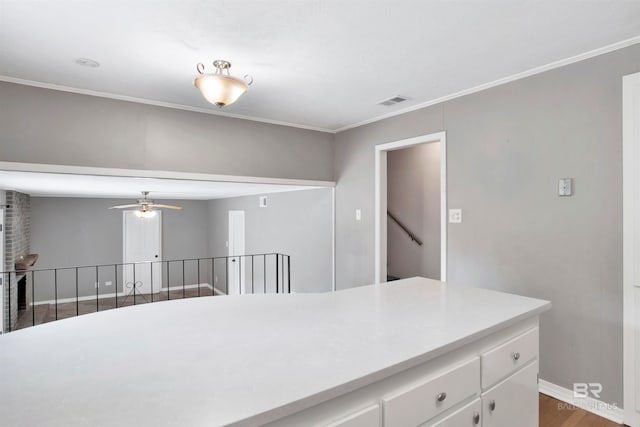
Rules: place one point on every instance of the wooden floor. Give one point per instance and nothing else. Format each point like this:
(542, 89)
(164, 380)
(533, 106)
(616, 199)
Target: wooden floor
(47, 312)
(554, 413)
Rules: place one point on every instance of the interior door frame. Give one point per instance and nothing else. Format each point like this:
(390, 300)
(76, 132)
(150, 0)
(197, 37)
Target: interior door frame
(381, 150)
(631, 242)
(159, 260)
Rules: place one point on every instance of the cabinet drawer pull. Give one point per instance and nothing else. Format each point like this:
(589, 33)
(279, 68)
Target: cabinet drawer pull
(441, 397)
(516, 356)
(476, 418)
(492, 405)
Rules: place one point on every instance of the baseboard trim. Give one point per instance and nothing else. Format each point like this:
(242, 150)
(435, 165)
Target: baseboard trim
(122, 294)
(605, 410)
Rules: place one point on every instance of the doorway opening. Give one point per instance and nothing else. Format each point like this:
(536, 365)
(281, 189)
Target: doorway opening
(410, 208)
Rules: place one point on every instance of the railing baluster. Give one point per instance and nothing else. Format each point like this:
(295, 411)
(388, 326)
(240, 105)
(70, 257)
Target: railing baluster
(226, 276)
(213, 276)
(277, 275)
(9, 289)
(55, 290)
(168, 281)
(77, 311)
(115, 272)
(151, 277)
(252, 275)
(134, 284)
(264, 272)
(183, 279)
(198, 276)
(240, 275)
(33, 298)
(97, 290)
(289, 273)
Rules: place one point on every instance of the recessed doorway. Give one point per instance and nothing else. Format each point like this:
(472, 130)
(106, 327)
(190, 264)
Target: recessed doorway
(401, 219)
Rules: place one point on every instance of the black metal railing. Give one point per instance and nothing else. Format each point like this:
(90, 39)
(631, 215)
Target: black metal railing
(37, 296)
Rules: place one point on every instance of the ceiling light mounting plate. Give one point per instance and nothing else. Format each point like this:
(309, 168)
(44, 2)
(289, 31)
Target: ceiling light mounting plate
(221, 64)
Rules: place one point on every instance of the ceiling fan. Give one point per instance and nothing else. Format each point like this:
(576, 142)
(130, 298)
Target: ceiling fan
(146, 206)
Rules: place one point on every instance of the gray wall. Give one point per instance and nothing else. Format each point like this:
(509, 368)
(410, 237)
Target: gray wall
(413, 196)
(79, 232)
(297, 223)
(506, 148)
(46, 126)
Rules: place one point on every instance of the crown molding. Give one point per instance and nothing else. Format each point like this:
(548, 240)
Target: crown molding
(537, 70)
(155, 103)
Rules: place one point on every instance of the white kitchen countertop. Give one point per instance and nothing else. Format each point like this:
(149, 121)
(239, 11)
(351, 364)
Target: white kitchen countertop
(242, 360)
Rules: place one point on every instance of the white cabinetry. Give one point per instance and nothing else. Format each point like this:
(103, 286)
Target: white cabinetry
(490, 382)
(513, 402)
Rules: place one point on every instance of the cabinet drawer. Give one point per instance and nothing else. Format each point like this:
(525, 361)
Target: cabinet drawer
(513, 402)
(467, 416)
(507, 358)
(422, 401)
(367, 417)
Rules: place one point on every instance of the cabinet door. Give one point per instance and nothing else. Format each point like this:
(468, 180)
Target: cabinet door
(513, 402)
(467, 416)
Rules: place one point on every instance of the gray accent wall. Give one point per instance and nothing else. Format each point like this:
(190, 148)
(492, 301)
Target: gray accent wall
(47, 126)
(413, 197)
(506, 149)
(296, 223)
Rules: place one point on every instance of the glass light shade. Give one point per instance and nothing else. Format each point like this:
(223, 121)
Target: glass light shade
(145, 214)
(220, 90)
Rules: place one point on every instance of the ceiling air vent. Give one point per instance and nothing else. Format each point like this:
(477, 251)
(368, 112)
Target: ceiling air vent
(393, 101)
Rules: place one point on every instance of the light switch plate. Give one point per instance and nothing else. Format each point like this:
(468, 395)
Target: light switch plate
(263, 201)
(565, 187)
(358, 214)
(455, 216)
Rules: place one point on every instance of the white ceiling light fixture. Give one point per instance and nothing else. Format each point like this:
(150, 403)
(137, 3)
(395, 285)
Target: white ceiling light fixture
(220, 88)
(146, 208)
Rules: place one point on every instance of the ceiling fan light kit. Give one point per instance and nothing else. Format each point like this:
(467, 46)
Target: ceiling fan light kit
(220, 88)
(146, 207)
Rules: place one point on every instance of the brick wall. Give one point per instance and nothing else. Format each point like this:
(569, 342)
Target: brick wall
(17, 228)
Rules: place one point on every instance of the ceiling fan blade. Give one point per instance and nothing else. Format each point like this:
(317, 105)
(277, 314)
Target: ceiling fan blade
(155, 205)
(125, 206)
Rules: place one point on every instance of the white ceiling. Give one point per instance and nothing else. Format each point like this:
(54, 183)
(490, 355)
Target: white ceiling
(68, 185)
(317, 63)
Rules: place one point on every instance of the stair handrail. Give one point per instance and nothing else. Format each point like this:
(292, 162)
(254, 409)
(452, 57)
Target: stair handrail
(411, 234)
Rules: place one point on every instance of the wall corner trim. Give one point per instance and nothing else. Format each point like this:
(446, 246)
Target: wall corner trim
(605, 410)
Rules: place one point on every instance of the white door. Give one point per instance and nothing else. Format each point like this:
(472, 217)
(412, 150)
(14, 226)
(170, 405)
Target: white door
(142, 252)
(236, 248)
(631, 248)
